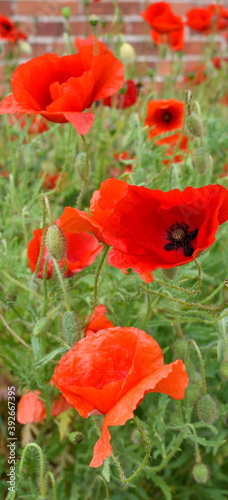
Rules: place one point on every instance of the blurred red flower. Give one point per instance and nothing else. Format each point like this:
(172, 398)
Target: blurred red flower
(179, 156)
(219, 61)
(110, 372)
(164, 116)
(208, 19)
(150, 229)
(166, 26)
(62, 88)
(37, 125)
(196, 75)
(9, 31)
(98, 320)
(50, 180)
(31, 408)
(81, 251)
(127, 96)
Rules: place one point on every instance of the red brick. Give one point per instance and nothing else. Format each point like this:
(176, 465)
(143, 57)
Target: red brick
(7, 8)
(45, 8)
(50, 28)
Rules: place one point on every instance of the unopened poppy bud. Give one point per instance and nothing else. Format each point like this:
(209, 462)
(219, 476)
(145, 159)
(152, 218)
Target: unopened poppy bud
(127, 53)
(69, 327)
(225, 291)
(56, 242)
(201, 160)
(76, 437)
(170, 273)
(207, 409)
(93, 20)
(200, 473)
(66, 12)
(194, 125)
(25, 47)
(193, 393)
(103, 22)
(224, 370)
(180, 347)
(42, 327)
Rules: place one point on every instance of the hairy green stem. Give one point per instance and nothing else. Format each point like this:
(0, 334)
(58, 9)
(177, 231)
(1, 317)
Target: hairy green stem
(86, 175)
(60, 277)
(182, 289)
(42, 467)
(18, 283)
(97, 275)
(192, 343)
(38, 264)
(13, 333)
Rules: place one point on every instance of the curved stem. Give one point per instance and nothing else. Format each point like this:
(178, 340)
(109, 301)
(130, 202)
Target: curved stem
(45, 296)
(192, 343)
(46, 201)
(165, 461)
(86, 175)
(100, 478)
(38, 264)
(42, 467)
(198, 456)
(65, 294)
(13, 333)
(53, 483)
(18, 283)
(182, 289)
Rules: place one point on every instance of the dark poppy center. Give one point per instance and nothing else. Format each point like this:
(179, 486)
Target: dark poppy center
(167, 117)
(6, 26)
(179, 237)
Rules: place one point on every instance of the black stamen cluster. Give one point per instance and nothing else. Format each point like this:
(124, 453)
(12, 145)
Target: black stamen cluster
(179, 237)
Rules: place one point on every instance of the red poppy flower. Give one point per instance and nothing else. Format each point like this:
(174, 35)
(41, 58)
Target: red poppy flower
(50, 180)
(98, 321)
(211, 18)
(179, 156)
(219, 61)
(9, 31)
(31, 408)
(110, 372)
(150, 229)
(81, 251)
(164, 116)
(62, 88)
(125, 167)
(166, 26)
(196, 75)
(126, 97)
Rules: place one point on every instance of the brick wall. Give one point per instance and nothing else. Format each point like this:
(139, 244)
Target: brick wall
(43, 23)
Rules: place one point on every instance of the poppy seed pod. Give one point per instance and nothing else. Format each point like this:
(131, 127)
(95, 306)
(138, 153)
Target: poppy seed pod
(200, 473)
(194, 125)
(223, 370)
(69, 328)
(127, 53)
(93, 20)
(225, 291)
(201, 160)
(56, 242)
(207, 409)
(171, 273)
(42, 326)
(66, 12)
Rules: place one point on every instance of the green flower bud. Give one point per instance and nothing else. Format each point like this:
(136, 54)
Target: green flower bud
(193, 393)
(225, 291)
(201, 473)
(194, 125)
(170, 273)
(42, 326)
(56, 242)
(69, 327)
(127, 53)
(180, 347)
(207, 409)
(66, 12)
(201, 160)
(223, 370)
(76, 437)
(93, 20)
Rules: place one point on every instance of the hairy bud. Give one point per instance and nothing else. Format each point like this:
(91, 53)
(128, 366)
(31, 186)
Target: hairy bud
(223, 369)
(180, 347)
(56, 242)
(207, 409)
(76, 437)
(170, 273)
(225, 291)
(201, 473)
(127, 53)
(42, 327)
(201, 160)
(69, 327)
(194, 125)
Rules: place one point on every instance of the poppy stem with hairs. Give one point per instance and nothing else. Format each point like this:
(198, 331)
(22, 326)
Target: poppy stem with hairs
(192, 343)
(45, 295)
(184, 303)
(42, 479)
(103, 255)
(64, 290)
(86, 175)
(182, 289)
(146, 440)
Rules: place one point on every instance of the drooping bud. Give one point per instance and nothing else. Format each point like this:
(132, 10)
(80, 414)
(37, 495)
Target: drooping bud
(56, 242)
(127, 53)
(76, 437)
(93, 20)
(69, 328)
(223, 370)
(180, 347)
(170, 273)
(207, 409)
(194, 125)
(201, 473)
(42, 326)
(225, 291)
(201, 160)
(66, 12)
